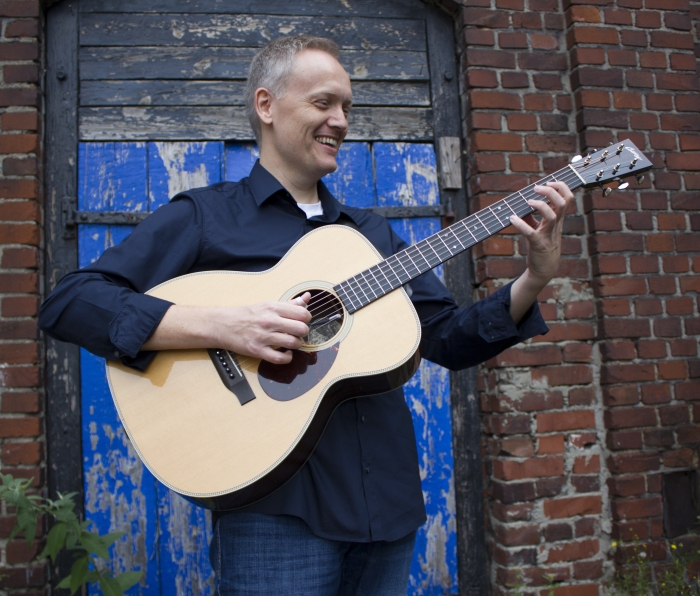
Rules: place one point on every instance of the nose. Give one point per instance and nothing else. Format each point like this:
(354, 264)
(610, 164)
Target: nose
(338, 119)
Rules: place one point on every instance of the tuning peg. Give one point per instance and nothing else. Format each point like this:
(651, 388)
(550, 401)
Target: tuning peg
(606, 191)
(610, 144)
(623, 186)
(640, 178)
(620, 148)
(576, 158)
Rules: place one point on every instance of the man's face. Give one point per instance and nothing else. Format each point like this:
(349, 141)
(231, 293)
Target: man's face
(309, 122)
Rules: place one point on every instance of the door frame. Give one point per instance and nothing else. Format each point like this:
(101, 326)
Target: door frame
(62, 364)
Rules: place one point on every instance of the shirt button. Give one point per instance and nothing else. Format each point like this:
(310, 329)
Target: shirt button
(117, 354)
(362, 418)
(366, 470)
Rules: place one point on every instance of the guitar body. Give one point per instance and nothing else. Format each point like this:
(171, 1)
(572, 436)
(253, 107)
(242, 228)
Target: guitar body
(201, 438)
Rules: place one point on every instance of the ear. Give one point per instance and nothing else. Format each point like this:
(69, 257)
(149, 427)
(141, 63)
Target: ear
(263, 104)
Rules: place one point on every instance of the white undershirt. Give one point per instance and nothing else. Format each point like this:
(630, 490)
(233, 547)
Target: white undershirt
(311, 209)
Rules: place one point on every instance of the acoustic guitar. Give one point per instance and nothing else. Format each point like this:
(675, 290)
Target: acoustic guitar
(225, 430)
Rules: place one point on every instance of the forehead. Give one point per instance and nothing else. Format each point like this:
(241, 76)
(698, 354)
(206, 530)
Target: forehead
(315, 68)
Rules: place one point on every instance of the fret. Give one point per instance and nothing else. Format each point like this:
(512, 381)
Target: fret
(409, 263)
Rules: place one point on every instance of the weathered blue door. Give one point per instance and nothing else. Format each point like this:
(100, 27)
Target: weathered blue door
(167, 537)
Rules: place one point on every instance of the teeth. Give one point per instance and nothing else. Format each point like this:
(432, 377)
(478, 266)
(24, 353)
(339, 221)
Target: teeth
(327, 141)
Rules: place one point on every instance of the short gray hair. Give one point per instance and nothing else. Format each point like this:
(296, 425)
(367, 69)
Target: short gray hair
(272, 65)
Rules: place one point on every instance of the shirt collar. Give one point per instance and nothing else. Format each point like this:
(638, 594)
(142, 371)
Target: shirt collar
(263, 185)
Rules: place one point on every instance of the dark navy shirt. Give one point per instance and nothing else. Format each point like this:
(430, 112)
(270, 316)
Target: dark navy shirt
(362, 481)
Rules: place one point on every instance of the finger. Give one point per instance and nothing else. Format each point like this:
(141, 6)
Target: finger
(292, 310)
(562, 188)
(552, 195)
(275, 356)
(302, 300)
(525, 229)
(543, 209)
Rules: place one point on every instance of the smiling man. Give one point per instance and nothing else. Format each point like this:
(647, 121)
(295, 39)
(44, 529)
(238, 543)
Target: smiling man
(345, 523)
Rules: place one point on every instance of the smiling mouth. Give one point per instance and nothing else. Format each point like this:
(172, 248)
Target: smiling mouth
(331, 142)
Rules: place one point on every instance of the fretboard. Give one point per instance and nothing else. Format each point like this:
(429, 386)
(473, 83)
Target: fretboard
(394, 272)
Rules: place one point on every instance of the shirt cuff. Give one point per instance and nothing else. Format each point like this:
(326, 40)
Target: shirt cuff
(134, 324)
(496, 324)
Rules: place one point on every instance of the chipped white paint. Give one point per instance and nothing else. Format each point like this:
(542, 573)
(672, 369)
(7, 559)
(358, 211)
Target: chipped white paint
(433, 561)
(173, 156)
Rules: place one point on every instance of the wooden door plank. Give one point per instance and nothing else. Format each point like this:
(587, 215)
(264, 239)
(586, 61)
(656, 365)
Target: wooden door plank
(184, 529)
(203, 123)
(407, 175)
(247, 30)
(223, 63)
(352, 183)
(393, 8)
(174, 167)
(119, 493)
(240, 159)
(231, 93)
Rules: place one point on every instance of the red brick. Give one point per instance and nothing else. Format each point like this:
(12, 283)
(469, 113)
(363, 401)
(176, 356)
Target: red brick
(617, 17)
(21, 454)
(517, 536)
(19, 143)
(587, 464)
(550, 445)
(656, 393)
(479, 37)
(24, 353)
(622, 57)
(624, 440)
(19, 8)
(484, 141)
(683, 161)
(19, 167)
(524, 163)
(583, 56)
(481, 78)
(20, 120)
(19, 258)
(19, 283)
(630, 417)
(484, 18)
(683, 62)
(582, 14)
(20, 427)
(530, 468)
(25, 402)
(684, 347)
(574, 551)
(19, 210)
(521, 122)
(492, 58)
(23, 28)
(494, 99)
(22, 329)
(658, 101)
(680, 41)
(637, 508)
(486, 120)
(593, 35)
(635, 462)
(538, 102)
(625, 373)
(678, 458)
(623, 395)
(659, 242)
(562, 421)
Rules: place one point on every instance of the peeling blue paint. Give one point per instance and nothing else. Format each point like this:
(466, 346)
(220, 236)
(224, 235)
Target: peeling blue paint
(168, 537)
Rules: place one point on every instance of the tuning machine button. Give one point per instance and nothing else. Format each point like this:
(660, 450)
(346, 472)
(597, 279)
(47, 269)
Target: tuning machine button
(576, 158)
(623, 186)
(640, 178)
(606, 191)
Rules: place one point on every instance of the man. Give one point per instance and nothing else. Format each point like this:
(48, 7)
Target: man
(345, 523)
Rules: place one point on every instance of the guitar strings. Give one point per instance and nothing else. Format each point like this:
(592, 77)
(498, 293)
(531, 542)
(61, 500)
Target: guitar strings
(330, 303)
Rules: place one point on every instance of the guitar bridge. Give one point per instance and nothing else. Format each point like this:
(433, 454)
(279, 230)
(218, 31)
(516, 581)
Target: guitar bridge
(231, 374)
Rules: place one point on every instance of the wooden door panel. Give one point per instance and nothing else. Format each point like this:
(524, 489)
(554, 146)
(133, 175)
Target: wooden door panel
(167, 537)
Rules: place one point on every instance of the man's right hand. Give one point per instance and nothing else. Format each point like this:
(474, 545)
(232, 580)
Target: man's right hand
(258, 330)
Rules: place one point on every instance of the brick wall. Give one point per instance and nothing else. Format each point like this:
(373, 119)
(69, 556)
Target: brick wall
(21, 422)
(580, 424)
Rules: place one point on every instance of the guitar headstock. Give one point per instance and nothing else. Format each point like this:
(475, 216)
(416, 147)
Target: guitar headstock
(616, 162)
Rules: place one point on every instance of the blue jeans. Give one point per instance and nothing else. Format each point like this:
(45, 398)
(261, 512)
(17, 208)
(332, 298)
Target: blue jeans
(277, 555)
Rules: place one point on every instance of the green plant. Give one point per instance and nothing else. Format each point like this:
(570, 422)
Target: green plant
(640, 580)
(89, 549)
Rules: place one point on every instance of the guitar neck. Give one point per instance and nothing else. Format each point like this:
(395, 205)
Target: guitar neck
(380, 279)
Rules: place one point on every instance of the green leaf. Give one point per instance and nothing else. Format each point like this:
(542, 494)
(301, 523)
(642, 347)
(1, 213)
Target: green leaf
(110, 539)
(110, 587)
(94, 544)
(64, 583)
(55, 541)
(77, 574)
(128, 579)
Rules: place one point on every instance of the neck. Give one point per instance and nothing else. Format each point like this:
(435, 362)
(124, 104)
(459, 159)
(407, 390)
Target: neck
(303, 188)
(384, 277)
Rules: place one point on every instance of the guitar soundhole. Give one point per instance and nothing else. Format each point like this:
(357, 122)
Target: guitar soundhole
(327, 316)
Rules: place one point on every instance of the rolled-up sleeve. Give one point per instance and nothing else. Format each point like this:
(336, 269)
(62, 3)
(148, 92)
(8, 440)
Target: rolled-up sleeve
(103, 307)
